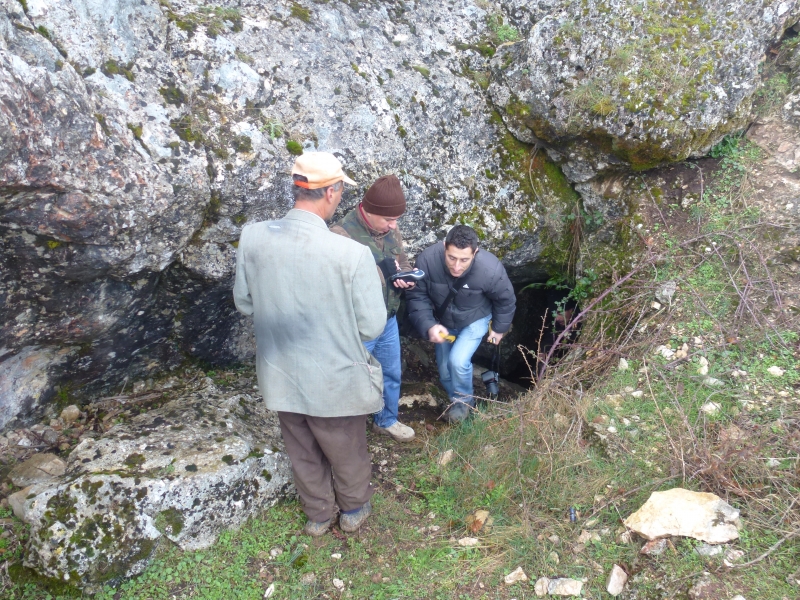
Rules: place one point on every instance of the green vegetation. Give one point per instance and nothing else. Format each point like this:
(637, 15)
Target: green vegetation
(111, 67)
(44, 32)
(501, 32)
(424, 71)
(298, 11)
(294, 148)
(188, 128)
(273, 128)
(213, 19)
(243, 143)
(772, 93)
(136, 130)
(172, 95)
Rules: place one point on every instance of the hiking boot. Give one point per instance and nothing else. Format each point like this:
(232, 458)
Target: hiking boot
(458, 411)
(397, 431)
(352, 521)
(315, 529)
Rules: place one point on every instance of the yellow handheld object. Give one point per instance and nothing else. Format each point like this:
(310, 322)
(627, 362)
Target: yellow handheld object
(449, 338)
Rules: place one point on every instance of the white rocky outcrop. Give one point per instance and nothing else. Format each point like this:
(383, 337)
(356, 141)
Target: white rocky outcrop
(680, 512)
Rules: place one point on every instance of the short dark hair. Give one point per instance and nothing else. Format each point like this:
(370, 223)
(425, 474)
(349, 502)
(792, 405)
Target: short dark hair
(462, 236)
(300, 193)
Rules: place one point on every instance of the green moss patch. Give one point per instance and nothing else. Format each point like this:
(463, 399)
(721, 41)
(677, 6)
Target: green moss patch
(172, 95)
(170, 521)
(294, 148)
(298, 11)
(134, 460)
(111, 67)
(213, 19)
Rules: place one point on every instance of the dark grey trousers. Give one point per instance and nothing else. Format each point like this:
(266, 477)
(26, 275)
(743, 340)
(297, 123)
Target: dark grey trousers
(330, 462)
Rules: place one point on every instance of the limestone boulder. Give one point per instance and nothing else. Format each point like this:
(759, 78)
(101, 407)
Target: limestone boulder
(680, 512)
(26, 379)
(138, 138)
(185, 471)
(40, 468)
(621, 85)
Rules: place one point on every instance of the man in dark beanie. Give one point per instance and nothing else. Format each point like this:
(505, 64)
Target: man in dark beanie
(373, 223)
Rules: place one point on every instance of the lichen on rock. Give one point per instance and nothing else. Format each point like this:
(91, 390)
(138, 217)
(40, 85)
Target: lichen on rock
(611, 85)
(186, 471)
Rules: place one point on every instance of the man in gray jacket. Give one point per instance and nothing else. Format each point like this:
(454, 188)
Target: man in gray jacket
(315, 297)
(465, 288)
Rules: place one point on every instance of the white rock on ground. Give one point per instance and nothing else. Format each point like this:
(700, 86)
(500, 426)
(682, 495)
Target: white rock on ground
(70, 414)
(196, 466)
(39, 468)
(17, 502)
(686, 513)
(564, 587)
(666, 292)
(516, 575)
(711, 408)
(776, 371)
(703, 368)
(654, 547)
(623, 365)
(588, 536)
(732, 556)
(665, 352)
(708, 550)
(616, 581)
(540, 587)
(468, 542)
(444, 458)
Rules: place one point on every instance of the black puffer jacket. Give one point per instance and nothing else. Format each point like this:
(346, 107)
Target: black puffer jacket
(484, 289)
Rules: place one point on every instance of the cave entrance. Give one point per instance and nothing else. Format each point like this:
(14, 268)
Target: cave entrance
(535, 328)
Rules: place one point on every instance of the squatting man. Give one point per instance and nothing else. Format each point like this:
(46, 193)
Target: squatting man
(464, 291)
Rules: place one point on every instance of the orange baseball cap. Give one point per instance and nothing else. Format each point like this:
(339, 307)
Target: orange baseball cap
(320, 169)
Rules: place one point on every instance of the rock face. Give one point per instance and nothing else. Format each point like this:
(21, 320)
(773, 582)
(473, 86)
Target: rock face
(137, 138)
(682, 512)
(616, 85)
(25, 379)
(194, 467)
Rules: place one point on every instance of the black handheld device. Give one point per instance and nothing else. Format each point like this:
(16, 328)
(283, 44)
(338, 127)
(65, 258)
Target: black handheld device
(409, 276)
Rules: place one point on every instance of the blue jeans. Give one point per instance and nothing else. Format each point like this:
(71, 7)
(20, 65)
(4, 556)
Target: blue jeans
(455, 360)
(386, 349)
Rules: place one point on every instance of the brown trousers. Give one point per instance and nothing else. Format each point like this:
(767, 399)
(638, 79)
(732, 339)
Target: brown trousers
(330, 462)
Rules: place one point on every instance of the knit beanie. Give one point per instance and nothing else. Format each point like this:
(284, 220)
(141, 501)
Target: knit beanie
(385, 197)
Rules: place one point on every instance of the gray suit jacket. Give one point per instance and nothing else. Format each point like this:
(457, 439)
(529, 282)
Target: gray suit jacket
(315, 297)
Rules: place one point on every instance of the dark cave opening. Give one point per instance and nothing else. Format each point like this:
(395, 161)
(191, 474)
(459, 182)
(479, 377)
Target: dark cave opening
(542, 314)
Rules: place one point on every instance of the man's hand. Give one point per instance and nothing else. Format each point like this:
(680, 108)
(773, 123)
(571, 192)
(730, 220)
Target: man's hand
(437, 333)
(404, 285)
(494, 337)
